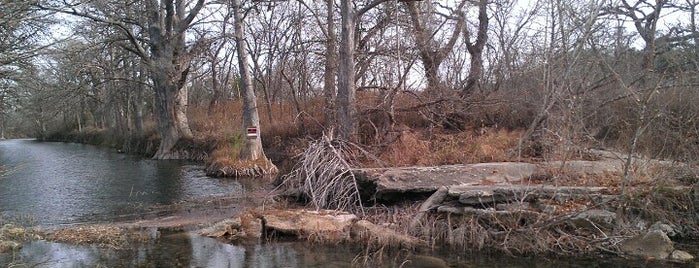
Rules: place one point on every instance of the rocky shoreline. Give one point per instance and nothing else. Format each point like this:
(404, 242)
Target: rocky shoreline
(518, 208)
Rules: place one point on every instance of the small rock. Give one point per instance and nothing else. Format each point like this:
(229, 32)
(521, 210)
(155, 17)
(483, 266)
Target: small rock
(681, 256)
(668, 229)
(653, 244)
(225, 228)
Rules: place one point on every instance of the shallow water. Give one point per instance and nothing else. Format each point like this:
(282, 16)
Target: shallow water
(185, 250)
(65, 183)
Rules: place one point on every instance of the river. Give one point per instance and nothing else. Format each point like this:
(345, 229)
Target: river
(59, 184)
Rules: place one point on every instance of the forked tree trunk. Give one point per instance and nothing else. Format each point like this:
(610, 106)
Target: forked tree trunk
(169, 67)
(475, 49)
(432, 56)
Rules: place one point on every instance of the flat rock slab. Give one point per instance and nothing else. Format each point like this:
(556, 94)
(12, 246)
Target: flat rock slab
(303, 223)
(429, 179)
(485, 194)
(586, 168)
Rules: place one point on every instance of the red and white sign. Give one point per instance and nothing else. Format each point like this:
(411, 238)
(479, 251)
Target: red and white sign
(252, 132)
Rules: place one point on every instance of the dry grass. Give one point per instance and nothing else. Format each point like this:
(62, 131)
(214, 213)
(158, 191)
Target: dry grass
(412, 149)
(102, 235)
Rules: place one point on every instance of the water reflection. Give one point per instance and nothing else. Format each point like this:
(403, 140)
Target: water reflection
(174, 250)
(59, 183)
(185, 250)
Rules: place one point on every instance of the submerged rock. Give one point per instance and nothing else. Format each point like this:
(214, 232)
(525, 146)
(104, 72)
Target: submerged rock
(653, 244)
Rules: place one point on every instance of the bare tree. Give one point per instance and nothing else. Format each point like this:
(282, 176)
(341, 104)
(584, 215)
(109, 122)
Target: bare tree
(251, 151)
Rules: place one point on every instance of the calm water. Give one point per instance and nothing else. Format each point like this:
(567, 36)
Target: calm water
(185, 250)
(64, 183)
(59, 183)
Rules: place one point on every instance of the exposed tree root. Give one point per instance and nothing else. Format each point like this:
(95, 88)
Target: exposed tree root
(243, 169)
(323, 175)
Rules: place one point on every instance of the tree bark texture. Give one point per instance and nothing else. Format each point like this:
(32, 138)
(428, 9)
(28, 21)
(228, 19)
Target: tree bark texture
(346, 87)
(329, 91)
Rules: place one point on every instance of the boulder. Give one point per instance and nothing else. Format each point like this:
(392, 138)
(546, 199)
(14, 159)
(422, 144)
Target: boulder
(652, 244)
(499, 193)
(364, 230)
(514, 206)
(681, 256)
(594, 218)
(326, 225)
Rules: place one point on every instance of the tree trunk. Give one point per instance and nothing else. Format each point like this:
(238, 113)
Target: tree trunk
(430, 55)
(170, 100)
(137, 105)
(165, 101)
(346, 87)
(429, 60)
(475, 49)
(169, 67)
(330, 65)
(252, 146)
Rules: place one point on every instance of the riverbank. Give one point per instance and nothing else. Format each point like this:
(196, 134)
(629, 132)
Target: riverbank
(568, 208)
(495, 208)
(572, 202)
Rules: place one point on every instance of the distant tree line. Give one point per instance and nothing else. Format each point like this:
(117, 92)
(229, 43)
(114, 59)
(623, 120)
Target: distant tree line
(621, 73)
